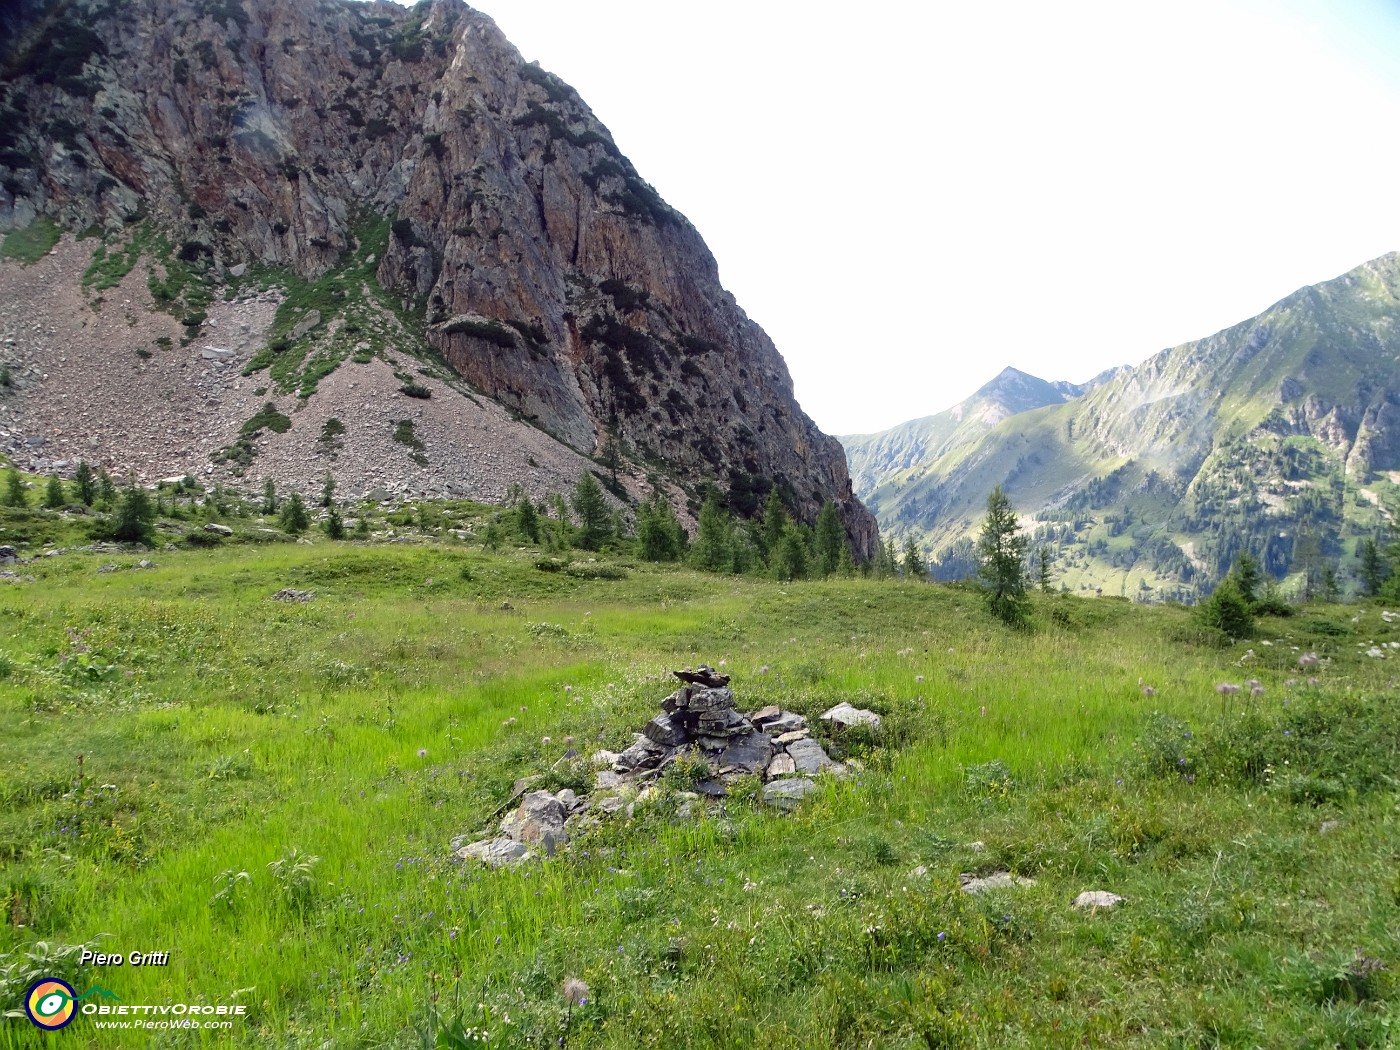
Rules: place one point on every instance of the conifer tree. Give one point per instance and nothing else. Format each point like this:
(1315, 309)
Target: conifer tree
(293, 517)
(659, 535)
(594, 521)
(914, 565)
(328, 491)
(1001, 552)
(846, 566)
(713, 549)
(15, 494)
(775, 523)
(831, 539)
(1043, 569)
(106, 491)
(269, 505)
(53, 493)
(334, 526)
(527, 520)
(135, 513)
(1372, 568)
(86, 483)
(789, 559)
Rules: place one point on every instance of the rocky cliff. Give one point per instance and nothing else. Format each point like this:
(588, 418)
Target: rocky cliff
(328, 151)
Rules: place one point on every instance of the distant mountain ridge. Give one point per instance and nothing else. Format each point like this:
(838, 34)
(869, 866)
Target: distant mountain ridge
(1279, 435)
(873, 457)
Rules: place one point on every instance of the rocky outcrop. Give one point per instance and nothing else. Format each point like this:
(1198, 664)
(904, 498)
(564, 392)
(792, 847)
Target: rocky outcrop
(538, 263)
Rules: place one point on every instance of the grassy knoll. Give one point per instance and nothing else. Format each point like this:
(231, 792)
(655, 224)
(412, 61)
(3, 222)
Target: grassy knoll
(220, 731)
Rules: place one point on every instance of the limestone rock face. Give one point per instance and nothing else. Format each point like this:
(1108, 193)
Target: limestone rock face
(540, 265)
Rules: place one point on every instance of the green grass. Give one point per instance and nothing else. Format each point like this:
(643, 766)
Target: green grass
(235, 729)
(31, 243)
(112, 262)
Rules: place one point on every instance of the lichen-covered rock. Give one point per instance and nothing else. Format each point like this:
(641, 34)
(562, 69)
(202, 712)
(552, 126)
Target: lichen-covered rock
(1096, 899)
(848, 715)
(786, 794)
(999, 880)
(495, 852)
(809, 756)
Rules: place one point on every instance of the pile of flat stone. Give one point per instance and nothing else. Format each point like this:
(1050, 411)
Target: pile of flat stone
(698, 723)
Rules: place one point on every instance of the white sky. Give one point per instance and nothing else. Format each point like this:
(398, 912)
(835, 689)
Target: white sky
(910, 196)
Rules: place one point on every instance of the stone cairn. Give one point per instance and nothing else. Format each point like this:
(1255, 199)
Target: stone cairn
(698, 722)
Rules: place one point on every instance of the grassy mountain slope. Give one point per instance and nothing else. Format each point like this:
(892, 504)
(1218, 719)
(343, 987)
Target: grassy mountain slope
(1280, 435)
(220, 731)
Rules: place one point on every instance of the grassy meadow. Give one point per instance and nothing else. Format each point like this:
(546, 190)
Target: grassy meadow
(268, 791)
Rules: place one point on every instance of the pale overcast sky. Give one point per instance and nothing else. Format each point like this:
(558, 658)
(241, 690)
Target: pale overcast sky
(910, 196)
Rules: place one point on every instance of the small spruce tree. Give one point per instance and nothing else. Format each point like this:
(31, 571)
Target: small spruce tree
(831, 539)
(334, 526)
(595, 524)
(328, 491)
(713, 549)
(15, 494)
(913, 563)
(293, 517)
(527, 520)
(1001, 555)
(1372, 567)
(53, 493)
(106, 491)
(135, 514)
(86, 483)
(1042, 558)
(659, 535)
(789, 561)
(775, 524)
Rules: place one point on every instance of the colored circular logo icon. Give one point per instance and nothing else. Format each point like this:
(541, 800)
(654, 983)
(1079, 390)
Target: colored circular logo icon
(49, 1003)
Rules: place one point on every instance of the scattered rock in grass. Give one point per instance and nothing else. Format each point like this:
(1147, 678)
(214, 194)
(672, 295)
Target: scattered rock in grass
(8, 555)
(602, 759)
(539, 821)
(786, 794)
(145, 563)
(611, 804)
(847, 715)
(998, 880)
(495, 852)
(1328, 825)
(919, 872)
(291, 594)
(107, 568)
(1096, 899)
(977, 847)
(217, 529)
